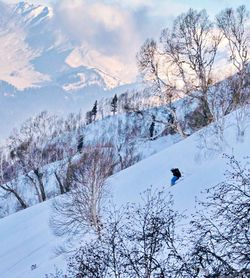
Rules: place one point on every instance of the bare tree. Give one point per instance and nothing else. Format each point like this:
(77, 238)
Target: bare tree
(221, 228)
(81, 207)
(29, 159)
(29, 150)
(149, 65)
(233, 24)
(64, 175)
(191, 47)
(137, 241)
(8, 182)
(124, 143)
(235, 28)
(212, 140)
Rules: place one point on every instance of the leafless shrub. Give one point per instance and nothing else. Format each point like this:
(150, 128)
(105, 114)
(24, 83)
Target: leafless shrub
(220, 232)
(139, 241)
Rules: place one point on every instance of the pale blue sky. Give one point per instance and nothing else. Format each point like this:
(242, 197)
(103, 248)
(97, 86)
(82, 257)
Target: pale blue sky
(212, 6)
(155, 10)
(148, 17)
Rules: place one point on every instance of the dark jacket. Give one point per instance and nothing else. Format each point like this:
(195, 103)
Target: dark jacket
(176, 172)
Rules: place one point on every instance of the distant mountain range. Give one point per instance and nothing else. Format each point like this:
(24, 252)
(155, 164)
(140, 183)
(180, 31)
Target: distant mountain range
(42, 68)
(35, 51)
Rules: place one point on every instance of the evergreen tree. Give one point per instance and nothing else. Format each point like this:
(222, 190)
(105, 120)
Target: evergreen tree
(80, 144)
(89, 117)
(114, 104)
(152, 128)
(94, 111)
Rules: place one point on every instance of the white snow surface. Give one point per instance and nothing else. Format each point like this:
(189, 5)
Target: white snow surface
(26, 239)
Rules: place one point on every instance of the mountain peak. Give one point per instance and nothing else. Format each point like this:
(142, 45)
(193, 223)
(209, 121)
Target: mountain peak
(31, 13)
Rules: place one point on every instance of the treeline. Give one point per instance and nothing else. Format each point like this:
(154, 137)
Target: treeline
(47, 142)
(39, 158)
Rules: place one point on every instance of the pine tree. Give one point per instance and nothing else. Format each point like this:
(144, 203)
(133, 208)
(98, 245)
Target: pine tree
(89, 117)
(114, 104)
(94, 111)
(80, 144)
(152, 128)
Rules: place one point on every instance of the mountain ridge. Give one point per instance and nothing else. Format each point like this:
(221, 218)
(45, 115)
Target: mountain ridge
(39, 62)
(39, 35)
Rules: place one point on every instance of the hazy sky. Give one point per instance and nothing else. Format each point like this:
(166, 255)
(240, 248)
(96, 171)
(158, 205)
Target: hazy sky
(155, 7)
(150, 16)
(117, 28)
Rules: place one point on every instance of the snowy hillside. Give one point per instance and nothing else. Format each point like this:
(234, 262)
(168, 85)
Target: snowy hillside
(28, 248)
(85, 172)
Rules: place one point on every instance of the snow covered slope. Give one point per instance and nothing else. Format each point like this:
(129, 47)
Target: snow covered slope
(26, 239)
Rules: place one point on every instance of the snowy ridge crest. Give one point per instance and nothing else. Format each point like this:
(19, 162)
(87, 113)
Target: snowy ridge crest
(33, 14)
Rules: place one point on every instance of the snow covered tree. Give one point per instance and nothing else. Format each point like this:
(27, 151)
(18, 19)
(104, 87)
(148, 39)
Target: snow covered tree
(80, 143)
(94, 111)
(89, 117)
(152, 128)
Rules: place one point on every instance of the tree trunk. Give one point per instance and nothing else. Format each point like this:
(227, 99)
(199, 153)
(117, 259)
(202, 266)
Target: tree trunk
(18, 197)
(177, 126)
(37, 191)
(20, 200)
(206, 111)
(40, 183)
(62, 191)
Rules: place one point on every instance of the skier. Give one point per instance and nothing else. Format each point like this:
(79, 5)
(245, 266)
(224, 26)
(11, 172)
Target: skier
(176, 175)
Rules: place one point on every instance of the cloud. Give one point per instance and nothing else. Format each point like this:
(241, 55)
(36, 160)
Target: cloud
(105, 27)
(134, 4)
(113, 30)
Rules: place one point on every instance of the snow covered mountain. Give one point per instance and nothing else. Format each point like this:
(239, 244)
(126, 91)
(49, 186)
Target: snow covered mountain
(39, 62)
(34, 49)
